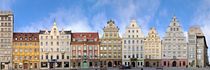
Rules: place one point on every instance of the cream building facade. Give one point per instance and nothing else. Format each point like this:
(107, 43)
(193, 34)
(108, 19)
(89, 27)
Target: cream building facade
(197, 48)
(111, 46)
(132, 45)
(6, 34)
(55, 48)
(174, 46)
(152, 49)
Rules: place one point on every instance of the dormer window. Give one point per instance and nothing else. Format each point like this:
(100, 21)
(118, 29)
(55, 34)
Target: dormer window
(132, 25)
(26, 38)
(95, 39)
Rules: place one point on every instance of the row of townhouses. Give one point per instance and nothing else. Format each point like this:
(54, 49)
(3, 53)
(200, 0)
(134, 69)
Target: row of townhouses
(65, 49)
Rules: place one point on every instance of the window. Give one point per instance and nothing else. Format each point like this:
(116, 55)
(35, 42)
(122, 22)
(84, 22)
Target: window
(62, 56)
(133, 41)
(101, 48)
(85, 48)
(67, 57)
(128, 41)
(46, 43)
(51, 37)
(42, 57)
(51, 57)
(183, 63)
(96, 48)
(90, 47)
(57, 49)
(124, 56)
(57, 43)
(41, 37)
(30, 38)
(164, 63)
(41, 43)
(137, 56)
(51, 43)
(26, 38)
(46, 56)
(9, 18)
(46, 37)
(57, 56)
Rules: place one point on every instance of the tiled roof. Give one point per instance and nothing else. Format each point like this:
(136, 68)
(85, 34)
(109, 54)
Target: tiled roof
(25, 37)
(85, 37)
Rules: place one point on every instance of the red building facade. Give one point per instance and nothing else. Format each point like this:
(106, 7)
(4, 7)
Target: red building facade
(85, 50)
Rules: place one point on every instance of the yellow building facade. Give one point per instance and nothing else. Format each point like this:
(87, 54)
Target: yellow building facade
(152, 49)
(25, 51)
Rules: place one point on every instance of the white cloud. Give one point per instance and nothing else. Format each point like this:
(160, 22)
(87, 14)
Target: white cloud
(68, 19)
(77, 19)
(202, 18)
(141, 10)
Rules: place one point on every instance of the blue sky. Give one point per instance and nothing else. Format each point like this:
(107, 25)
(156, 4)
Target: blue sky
(92, 15)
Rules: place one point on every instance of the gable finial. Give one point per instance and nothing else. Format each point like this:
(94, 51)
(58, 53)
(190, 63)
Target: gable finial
(54, 22)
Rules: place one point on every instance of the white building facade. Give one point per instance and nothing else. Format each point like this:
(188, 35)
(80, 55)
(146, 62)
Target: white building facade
(174, 46)
(132, 45)
(197, 48)
(55, 48)
(6, 34)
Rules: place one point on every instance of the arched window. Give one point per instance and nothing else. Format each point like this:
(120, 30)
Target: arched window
(57, 57)
(183, 63)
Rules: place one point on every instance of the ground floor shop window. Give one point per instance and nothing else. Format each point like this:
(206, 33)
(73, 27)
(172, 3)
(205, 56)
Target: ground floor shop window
(66, 64)
(74, 64)
(79, 64)
(90, 64)
(59, 64)
(35, 65)
(44, 64)
(16, 65)
(96, 64)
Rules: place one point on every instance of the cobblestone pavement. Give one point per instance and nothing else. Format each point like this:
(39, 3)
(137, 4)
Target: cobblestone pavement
(171, 68)
(145, 68)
